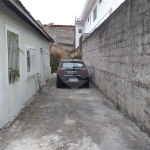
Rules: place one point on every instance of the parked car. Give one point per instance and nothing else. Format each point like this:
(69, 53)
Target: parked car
(72, 73)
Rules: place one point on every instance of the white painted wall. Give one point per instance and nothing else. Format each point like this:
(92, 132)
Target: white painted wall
(13, 97)
(103, 12)
(77, 34)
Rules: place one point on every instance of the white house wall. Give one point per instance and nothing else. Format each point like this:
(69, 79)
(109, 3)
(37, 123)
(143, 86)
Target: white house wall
(2, 102)
(103, 12)
(13, 97)
(78, 35)
(104, 9)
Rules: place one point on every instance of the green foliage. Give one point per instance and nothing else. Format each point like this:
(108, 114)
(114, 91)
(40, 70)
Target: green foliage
(15, 72)
(55, 60)
(117, 106)
(77, 56)
(17, 49)
(70, 53)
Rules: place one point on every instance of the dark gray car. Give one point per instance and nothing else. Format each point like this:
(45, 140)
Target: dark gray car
(72, 73)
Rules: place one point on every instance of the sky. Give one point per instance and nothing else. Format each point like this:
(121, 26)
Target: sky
(60, 12)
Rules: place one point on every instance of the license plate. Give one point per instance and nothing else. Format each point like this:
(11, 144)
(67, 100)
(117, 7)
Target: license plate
(71, 72)
(73, 79)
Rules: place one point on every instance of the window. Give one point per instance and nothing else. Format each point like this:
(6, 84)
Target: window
(95, 14)
(13, 57)
(73, 65)
(28, 61)
(80, 30)
(31, 61)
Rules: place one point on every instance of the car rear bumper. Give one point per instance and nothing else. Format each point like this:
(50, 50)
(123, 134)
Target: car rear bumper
(78, 81)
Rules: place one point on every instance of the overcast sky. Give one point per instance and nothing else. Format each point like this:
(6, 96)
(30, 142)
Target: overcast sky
(57, 11)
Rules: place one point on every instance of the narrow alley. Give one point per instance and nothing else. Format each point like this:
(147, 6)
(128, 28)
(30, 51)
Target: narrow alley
(72, 119)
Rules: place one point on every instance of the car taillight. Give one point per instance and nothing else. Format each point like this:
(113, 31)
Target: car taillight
(61, 69)
(84, 69)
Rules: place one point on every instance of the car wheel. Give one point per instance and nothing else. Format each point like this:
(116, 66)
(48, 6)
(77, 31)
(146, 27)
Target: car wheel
(87, 84)
(58, 83)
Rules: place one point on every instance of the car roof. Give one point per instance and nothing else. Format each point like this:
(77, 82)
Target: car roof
(72, 60)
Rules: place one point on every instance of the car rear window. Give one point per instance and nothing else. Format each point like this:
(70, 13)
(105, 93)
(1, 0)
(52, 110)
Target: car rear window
(73, 65)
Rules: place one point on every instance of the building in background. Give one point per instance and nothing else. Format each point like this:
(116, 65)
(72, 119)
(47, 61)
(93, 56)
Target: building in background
(93, 14)
(24, 51)
(64, 36)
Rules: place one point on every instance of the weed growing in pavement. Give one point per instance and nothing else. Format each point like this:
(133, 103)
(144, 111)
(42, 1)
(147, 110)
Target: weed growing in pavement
(118, 107)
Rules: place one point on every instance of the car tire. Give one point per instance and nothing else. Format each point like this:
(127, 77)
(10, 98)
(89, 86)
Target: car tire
(58, 83)
(87, 84)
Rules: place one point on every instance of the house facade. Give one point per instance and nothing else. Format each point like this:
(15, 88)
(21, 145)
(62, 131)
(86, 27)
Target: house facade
(93, 14)
(63, 36)
(24, 48)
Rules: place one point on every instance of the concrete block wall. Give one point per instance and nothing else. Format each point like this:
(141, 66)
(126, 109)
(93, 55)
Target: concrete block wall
(63, 35)
(118, 56)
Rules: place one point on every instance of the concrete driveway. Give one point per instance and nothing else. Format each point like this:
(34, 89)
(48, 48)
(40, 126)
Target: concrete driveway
(72, 119)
